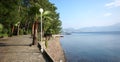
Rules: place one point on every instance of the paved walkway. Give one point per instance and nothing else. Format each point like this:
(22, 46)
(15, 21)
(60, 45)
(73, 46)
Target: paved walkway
(17, 49)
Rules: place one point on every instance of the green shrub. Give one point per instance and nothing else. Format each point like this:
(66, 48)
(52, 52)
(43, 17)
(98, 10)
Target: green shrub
(9, 32)
(46, 43)
(26, 32)
(5, 31)
(21, 31)
(3, 35)
(1, 28)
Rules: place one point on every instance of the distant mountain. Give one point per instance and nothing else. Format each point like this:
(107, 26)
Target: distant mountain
(115, 27)
(69, 30)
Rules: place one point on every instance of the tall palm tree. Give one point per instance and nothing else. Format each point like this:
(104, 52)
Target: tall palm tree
(36, 25)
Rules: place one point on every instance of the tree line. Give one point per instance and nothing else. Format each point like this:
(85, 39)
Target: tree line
(19, 16)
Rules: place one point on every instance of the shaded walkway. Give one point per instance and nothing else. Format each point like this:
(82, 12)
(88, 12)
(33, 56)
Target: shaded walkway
(17, 49)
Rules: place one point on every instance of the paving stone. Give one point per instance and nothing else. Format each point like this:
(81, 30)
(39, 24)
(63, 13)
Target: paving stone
(17, 49)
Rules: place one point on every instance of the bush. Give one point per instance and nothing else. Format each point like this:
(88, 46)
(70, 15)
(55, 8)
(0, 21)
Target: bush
(9, 32)
(5, 31)
(1, 28)
(25, 32)
(21, 31)
(46, 43)
(3, 35)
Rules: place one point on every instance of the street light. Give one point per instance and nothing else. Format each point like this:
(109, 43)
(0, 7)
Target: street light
(41, 11)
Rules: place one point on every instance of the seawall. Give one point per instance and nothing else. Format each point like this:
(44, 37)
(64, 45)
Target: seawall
(54, 50)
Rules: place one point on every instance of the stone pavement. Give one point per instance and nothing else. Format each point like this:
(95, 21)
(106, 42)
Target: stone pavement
(18, 49)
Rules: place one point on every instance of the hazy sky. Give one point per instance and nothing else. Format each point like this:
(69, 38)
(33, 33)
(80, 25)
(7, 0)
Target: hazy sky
(88, 13)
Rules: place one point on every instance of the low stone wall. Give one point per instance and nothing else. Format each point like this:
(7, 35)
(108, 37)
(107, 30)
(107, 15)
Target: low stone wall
(54, 50)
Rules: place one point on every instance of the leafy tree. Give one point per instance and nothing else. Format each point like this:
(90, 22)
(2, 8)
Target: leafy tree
(9, 13)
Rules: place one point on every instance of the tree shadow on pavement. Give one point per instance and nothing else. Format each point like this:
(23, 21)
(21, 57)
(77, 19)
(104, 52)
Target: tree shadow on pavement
(5, 44)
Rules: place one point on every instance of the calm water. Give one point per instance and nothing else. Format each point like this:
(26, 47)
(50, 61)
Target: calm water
(92, 47)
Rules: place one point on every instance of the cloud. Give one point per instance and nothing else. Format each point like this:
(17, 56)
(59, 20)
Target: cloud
(107, 14)
(115, 3)
(109, 4)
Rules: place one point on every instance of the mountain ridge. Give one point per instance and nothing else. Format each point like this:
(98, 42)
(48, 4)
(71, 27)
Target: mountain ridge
(111, 28)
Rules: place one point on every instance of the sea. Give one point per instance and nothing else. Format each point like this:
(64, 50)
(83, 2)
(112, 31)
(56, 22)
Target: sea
(92, 47)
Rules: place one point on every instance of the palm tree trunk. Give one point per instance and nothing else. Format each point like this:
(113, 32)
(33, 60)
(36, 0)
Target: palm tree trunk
(35, 33)
(18, 29)
(12, 29)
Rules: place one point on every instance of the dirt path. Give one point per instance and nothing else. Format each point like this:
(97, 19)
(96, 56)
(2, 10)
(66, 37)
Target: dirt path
(17, 49)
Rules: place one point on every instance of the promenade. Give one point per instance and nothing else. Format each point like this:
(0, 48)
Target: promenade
(18, 49)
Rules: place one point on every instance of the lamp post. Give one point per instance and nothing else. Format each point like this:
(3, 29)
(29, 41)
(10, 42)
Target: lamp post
(41, 11)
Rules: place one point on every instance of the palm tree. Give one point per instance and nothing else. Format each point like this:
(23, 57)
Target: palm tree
(47, 16)
(36, 23)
